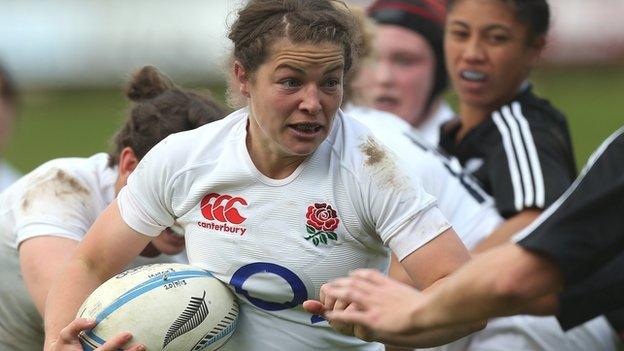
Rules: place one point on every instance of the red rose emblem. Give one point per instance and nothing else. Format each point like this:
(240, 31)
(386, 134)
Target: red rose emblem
(322, 217)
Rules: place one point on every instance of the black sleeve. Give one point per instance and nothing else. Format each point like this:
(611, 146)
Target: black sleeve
(532, 168)
(600, 293)
(584, 229)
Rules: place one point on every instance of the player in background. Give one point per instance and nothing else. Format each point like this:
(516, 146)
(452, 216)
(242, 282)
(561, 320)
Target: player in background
(275, 199)
(46, 214)
(8, 106)
(516, 144)
(459, 206)
(574, 240)
(406, 74)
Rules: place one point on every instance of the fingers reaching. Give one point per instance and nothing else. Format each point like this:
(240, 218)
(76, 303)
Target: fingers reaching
(314, 307)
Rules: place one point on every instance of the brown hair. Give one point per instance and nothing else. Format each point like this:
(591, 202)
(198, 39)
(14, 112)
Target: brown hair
(262, 22)
(366, 28)
(160, 109)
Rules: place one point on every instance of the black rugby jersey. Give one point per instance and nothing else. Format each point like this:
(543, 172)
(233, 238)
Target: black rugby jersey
(583, 233)
(522, 155)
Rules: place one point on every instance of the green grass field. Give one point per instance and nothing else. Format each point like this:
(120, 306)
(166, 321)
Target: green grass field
(80, 123)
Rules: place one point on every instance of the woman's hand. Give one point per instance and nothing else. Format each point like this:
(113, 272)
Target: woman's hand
(329, 303)
(380, 303)
(68, 338)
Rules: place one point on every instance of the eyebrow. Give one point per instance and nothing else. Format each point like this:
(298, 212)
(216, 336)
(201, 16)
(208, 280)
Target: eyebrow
(302, 71)
(487, 28)
(290, 67)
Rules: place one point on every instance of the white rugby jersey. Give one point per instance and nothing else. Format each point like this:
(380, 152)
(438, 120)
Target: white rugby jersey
(275, 242)
(468, 208)
(430, 129)
(62, 197)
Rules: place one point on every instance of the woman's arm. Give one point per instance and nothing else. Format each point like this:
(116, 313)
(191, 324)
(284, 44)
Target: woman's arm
(107, 248)
(500, 282)
(503, 233)
(41, 261)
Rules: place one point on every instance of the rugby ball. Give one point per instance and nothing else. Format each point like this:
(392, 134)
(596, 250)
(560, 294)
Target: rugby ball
(166, 306)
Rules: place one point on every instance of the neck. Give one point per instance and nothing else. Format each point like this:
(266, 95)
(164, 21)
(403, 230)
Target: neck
(269, 159)
(470, 117)
(428, 113)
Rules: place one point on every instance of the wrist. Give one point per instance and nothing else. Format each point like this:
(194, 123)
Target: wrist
(420, 313)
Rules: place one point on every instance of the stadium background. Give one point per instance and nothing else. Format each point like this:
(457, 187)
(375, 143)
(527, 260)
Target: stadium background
(69, 58)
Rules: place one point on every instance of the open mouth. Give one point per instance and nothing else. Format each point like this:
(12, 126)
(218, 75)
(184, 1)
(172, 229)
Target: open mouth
(306, 128)
(386, 102)
(473, 76)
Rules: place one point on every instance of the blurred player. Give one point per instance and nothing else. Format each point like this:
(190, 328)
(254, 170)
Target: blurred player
(275, 199)
(8, 105)
(406, 74)
(516, 144)
(47, 213)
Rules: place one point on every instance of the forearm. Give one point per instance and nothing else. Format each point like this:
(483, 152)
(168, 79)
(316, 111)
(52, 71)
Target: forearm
(54, 252)
(75, 283)
(506, 230)
(432, 337)
(499, 282)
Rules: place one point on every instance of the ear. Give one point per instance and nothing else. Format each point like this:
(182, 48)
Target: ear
(127, 163)
(241, 78)
(537, 47)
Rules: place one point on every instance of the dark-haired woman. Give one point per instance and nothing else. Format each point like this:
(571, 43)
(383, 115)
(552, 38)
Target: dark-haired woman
(278, 197)
(47, 212)
(515, 143)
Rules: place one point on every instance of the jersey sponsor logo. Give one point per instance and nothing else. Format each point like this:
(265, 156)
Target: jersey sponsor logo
(223, 209)
(321, 223)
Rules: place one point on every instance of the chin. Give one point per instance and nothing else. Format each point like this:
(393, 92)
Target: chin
(171, 250)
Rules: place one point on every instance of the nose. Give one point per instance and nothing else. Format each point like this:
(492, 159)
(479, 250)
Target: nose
(311, 101)
(382, 71)
(473, 51)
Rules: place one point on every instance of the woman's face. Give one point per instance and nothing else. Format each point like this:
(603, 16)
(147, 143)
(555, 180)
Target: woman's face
(488, 54)
(400, 77)
(169, 243)
(293, 97)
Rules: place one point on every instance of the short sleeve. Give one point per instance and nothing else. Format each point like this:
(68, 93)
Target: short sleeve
(584, 229)
(145, 202)
(533, 165)
(403, 214)
(54, 203)
(600, 293)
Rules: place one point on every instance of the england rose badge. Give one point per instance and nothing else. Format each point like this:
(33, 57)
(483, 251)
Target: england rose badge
(321, 223)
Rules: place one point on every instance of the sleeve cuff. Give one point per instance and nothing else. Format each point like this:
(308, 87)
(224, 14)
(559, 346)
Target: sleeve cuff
(417, 231)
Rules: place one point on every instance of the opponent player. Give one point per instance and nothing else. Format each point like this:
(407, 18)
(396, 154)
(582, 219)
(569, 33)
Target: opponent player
(275, 199)
(47, 213)
(516, 144)
(8, 105)
(406, 74)
(575, 238)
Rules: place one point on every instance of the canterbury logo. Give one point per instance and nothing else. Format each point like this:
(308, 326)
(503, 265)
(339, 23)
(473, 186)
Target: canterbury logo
(221, 208)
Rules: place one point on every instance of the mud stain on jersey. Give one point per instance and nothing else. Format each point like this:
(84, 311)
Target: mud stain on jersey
(381, 161)
(52, 188)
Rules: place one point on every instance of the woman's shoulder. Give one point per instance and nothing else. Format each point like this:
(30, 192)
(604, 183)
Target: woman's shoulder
(532, 110)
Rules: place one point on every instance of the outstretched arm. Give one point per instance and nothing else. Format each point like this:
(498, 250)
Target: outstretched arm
(108, 247)
(500, 282)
